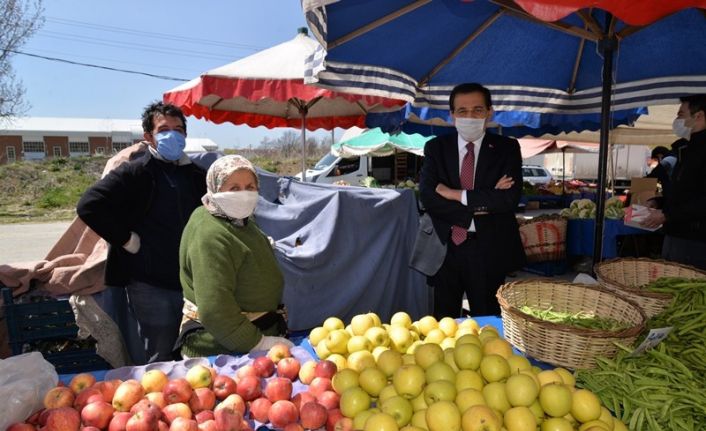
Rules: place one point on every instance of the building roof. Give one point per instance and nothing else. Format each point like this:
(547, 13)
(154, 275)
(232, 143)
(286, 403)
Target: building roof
(62, 126)
(197, 145)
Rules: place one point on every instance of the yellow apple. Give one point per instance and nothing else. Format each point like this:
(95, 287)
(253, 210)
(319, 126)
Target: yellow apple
(471, 324)
(407, 359)
(333, 323)
(427, 354)
(521, 390)
(448, 343)
(358, 342)
(546, 377)
(519, 419)
(469, 379)
(468, 356)
(379, 350)
(389, 361)
(419, 419)
(154, 381)
(337, 341)
(443, 416)
(376, 319)
(449, 359)
(480, 418)
(361, 323)
(345, 378)
(321, 351)
(585, 406)
(400, 338)
(441, 390)
(386, 393)
(409, 380)
(496, 396)
(468, 339)
(199, 376)
(566, 376)
(381, 422)
(434, 335)
(426, 324)
(494, 368)
(497, 346)
(353, 401)
(317, 334)
(448, 326)
(440, 370)
(361, 360)
(401, 319)
(399, 408)
(377, 336)
(412, 347)
(372, 380)
(555, 399)
(556, 424)
(339, 360)
(419, 403)
(468, 398)
(518, 363)
(360, 419)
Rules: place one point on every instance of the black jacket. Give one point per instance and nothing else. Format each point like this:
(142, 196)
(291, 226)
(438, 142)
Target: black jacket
(152, 198)
(685, 202)
(497, 230)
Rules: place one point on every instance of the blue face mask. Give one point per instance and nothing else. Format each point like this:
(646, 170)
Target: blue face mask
(170, 144)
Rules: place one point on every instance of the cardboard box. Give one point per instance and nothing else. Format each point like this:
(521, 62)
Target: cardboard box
(642, 189)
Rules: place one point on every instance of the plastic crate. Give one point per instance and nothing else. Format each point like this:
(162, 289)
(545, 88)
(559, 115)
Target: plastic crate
(52, 320)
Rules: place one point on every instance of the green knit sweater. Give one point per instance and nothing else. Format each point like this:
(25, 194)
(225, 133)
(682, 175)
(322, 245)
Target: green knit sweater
(226, 270)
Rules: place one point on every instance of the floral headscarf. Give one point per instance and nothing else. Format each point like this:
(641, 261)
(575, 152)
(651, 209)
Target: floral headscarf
(218, 173)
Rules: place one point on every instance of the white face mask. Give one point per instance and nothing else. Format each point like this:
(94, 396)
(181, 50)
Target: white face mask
(680, 128)
(470, 129)
(237, 205)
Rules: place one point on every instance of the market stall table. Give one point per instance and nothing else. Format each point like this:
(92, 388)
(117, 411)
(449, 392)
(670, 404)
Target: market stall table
(579, 236)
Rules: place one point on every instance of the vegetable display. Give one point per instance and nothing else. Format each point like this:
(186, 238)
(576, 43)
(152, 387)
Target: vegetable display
(582, 319)
(586, 208)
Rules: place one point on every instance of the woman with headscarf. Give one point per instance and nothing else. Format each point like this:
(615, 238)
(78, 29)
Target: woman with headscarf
(229, 275)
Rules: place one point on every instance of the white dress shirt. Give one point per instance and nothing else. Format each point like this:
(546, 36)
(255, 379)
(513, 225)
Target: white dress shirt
(461, 154)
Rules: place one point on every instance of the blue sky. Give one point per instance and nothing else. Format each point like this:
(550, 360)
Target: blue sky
(176, 38)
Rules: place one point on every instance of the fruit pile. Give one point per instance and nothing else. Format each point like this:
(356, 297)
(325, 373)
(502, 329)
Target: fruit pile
(360, 343)
(274, 389)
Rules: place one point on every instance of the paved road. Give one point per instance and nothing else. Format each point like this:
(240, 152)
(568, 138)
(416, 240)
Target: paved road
(29, 241)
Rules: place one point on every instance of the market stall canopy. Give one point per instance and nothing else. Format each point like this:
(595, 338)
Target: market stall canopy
(376, 143)
(533, 147)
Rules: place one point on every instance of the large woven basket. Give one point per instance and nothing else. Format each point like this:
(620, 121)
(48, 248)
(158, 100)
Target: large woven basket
(628, 276)
(544, 238)
(560, 344)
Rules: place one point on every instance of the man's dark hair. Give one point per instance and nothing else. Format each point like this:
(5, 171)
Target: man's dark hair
(470, 87)
(166, 109)
(697, 102)
(660, 151)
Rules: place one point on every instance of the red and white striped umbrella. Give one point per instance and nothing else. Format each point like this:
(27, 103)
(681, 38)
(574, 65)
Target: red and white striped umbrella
(267, 89)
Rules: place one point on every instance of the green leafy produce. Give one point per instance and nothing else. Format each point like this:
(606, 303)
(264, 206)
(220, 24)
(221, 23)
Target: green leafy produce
(662, 389)
(582, 319)
(369, 182)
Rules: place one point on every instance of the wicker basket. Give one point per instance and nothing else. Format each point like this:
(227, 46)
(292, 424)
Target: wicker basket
(628, 276)
(559, 344)
(544, 238)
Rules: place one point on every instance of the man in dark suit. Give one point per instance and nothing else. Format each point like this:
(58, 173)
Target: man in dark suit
(470, 186)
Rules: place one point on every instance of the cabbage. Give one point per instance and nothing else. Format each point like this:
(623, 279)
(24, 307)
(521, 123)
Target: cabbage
(410, 184)
(586, 204)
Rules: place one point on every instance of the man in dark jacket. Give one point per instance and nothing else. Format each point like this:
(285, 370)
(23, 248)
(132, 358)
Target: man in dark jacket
(470, 185)
(684, 213)
(140, 209)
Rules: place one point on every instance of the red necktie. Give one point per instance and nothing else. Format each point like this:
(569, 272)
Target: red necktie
(460, 233)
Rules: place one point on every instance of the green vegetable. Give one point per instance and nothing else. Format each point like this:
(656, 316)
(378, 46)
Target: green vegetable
(581, 319)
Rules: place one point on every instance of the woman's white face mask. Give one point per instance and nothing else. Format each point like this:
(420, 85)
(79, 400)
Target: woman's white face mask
(237, 205)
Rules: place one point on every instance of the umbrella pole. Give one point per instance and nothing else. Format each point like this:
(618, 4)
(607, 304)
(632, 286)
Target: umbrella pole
(563, 171)
(303, 114)
(607, 46)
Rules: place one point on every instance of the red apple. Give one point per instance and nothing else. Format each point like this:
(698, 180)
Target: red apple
(259, 409)
(176, 410)
(289, 368)
(328, 399)
(143, 420)
(119, 421)
(162, 426)
(343, 424)
(177, 391)
(278, 351)
(245, 370)
(264, 367)
(58, 397)
(108, 389)
(282, 413)
(302, 398)
(223, 386)
(202, 399)
(320, 385)
(228, 419)
(209, 425)
(42, 420)
(278, 388)
(97, 414)
(181, 424)
(233, 401)
(34, 418)
(156, 398)
(87, 396)
(333, 417)
(127, 394)
(293, 427)
(81, 381)
(325, 369)
(313, 416)
(90, 429)
(249, 388)
(146, 404)
(63, 419)
(203, 416)
(20, 426)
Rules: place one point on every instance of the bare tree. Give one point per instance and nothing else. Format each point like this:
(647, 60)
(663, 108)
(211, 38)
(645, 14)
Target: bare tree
(19, 19)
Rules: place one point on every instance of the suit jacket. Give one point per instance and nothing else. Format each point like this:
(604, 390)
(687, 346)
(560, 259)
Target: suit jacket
(497, 230)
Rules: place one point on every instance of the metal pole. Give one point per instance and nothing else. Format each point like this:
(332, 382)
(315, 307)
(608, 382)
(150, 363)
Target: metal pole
(303, 114)
(607, 46)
